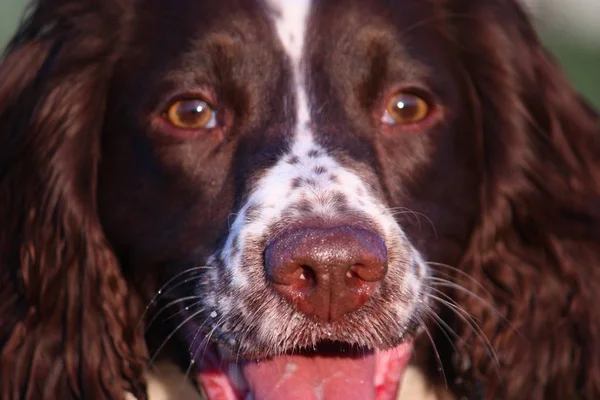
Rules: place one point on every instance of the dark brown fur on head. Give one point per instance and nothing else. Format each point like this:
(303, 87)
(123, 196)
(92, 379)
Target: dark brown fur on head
(70, 311)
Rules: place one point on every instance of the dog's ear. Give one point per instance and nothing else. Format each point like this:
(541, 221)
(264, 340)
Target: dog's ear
(536, 250)
(68, 323)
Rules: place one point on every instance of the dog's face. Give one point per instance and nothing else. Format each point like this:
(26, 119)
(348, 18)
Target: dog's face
(298, 162)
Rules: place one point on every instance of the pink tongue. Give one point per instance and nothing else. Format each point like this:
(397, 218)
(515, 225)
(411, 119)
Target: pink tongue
(294, 377)
(312, 378)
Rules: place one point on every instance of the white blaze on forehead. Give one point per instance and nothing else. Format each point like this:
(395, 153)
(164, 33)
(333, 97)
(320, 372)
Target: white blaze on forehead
(291, 19)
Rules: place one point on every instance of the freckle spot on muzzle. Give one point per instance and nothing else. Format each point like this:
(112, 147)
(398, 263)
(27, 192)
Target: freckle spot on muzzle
(253, 212)
(293, 160)
(314, 153)
(304, 207)
(320, 170)
(297, 183)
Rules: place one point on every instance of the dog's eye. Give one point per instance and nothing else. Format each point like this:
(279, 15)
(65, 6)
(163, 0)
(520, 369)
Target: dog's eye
(405, 108)
(191, 114)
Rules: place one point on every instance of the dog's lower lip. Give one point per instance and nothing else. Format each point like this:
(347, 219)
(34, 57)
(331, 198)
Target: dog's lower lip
(372, 375)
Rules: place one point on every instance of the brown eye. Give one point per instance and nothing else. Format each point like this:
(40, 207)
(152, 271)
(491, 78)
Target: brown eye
(405, 108)
(191, 114)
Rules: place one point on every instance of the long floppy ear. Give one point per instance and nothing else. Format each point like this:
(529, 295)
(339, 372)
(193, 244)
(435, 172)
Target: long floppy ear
(67, 319)
(536, 251)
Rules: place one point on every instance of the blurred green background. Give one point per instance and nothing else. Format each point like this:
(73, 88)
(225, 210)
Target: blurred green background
(579, 55)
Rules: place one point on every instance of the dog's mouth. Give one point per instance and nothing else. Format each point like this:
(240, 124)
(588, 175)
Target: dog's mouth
(331, 371)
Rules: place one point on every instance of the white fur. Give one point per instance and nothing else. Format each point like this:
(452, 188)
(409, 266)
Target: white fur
(291, 19)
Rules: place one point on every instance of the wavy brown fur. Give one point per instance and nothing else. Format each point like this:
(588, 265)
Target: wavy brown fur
(536, 251)
(66, 313)
(68, 318)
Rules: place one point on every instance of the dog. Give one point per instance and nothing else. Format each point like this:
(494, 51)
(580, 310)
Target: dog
(295, 200)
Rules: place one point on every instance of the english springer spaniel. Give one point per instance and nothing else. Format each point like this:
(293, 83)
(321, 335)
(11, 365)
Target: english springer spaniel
(295, 199)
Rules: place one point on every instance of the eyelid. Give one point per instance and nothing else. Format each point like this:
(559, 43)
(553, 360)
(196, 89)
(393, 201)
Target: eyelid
(202, 92)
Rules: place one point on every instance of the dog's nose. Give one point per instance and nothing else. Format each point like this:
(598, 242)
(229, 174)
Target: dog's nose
(326, 272)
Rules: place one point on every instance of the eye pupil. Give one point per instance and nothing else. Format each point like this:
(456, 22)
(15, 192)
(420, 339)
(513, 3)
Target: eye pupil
(408, 107)
(190, 111)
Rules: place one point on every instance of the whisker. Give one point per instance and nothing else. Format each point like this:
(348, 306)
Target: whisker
(159, 292)
(234, 215)
(165, 292)
(460, 272)
(444, 327)
(470, 322)
(168, 305)
(206, 340)
(194, 354)
(403, 210)
(164, 343)
(440, 282)
(435, 350)
(187, 308)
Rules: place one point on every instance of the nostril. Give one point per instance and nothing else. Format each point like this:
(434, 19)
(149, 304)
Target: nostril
(352, 280)
(351, 274)
(372, 272)
(307, 278)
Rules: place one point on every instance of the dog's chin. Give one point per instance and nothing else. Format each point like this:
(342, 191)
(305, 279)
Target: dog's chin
(330, 370)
